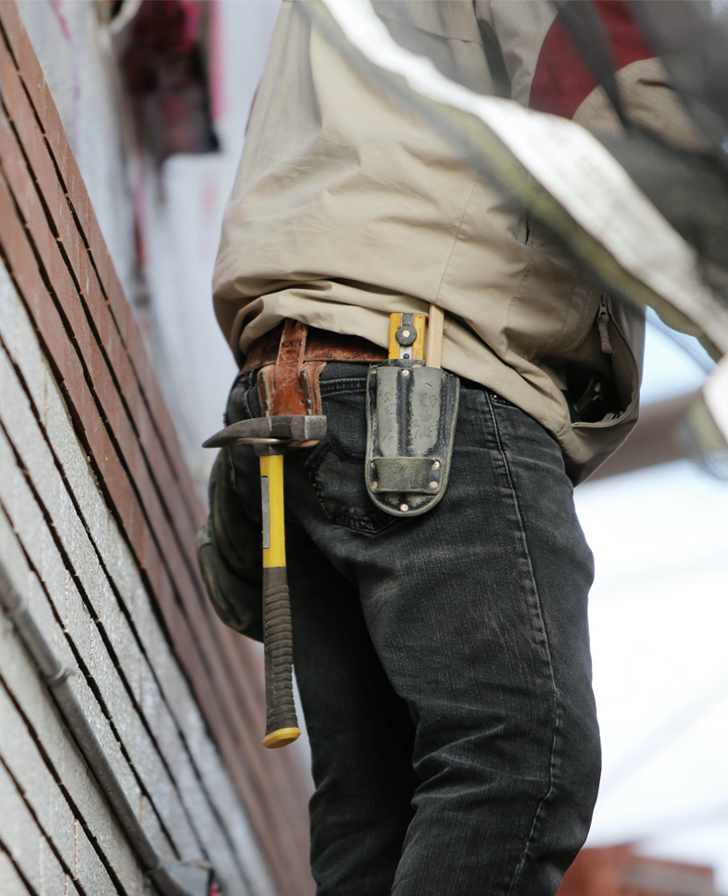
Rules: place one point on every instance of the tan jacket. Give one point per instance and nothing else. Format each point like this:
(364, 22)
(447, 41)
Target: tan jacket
(347, 208)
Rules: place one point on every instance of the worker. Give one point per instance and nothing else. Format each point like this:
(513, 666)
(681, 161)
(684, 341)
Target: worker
(442, 655)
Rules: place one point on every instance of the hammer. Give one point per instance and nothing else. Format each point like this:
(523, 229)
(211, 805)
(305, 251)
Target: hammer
(270, 437)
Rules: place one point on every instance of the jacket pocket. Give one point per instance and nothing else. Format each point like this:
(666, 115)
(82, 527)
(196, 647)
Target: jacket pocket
(625, 373)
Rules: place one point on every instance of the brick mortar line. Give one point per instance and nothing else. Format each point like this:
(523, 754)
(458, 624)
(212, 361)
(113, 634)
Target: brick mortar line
(193, 507)
(183, 543)
(46, 836)
(231, 662)
(83, 669)
(18, 870)
(246, 781)
(178, 585)
(104, 636)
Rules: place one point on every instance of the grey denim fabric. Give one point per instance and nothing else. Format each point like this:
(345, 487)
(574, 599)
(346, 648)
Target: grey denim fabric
(443, 661)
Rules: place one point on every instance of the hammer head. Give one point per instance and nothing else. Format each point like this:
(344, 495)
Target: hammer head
(287, 428)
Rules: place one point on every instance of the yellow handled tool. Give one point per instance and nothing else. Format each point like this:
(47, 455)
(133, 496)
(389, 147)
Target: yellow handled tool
(270, 436)
(281, 723)
(407, 337)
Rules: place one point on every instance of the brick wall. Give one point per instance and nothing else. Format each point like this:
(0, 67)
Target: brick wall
(621, 871)
(97, 522)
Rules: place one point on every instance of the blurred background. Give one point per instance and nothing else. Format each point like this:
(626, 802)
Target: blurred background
(658, 618)
(659, 610)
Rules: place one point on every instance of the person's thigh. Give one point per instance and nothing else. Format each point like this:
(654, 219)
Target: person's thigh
(360, 732)
(480, 623)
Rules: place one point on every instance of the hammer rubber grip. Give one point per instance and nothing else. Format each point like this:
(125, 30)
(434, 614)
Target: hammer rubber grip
(281, 721)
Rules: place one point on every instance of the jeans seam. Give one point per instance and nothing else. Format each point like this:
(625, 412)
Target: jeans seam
(344, 385)
(545, 798)
(557, 710)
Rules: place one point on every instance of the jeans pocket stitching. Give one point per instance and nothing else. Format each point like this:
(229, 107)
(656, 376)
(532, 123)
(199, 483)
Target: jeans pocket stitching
(370, 523)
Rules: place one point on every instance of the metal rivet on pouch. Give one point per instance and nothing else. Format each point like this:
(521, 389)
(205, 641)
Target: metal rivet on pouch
(435, 466)
(433, 484)
(375, 484)
(404, 506)
(405, 373)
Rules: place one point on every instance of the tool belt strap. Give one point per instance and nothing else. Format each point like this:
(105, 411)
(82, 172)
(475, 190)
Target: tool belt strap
(291, 358)
(320, 345)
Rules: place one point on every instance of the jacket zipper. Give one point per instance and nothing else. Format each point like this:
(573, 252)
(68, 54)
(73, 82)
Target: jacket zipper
(603, 324)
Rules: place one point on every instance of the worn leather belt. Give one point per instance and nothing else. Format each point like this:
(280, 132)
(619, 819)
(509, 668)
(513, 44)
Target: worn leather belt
(321, 345)
(291, 358)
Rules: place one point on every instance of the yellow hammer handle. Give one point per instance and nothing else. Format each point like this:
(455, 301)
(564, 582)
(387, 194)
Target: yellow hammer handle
(281, 722)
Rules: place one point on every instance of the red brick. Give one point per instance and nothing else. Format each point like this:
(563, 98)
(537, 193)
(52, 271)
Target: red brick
(159, 581)
(73, 179)
(80, 204)
(84, 276)
(13, 235)
(99, 257)
(142, 420)
(96, 240)
(108, 337)
(94, 301)
(13, 95)
(11, 26)
(12, 161)
(63, 285)
(124, 371)
(69, 243)
(21, 47)
(55, 134)
(27, 127)
(123, 316)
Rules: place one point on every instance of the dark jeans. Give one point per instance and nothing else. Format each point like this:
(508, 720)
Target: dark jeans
(443, 661)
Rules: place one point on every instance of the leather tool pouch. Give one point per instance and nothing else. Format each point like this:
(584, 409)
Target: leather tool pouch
(411, 414)
(292, 385)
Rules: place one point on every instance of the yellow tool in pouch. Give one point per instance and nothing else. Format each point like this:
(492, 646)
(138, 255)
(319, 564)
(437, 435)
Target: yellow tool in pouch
(407, 336)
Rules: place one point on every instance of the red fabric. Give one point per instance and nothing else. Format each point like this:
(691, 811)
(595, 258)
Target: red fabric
(561, 81)
(163, 65)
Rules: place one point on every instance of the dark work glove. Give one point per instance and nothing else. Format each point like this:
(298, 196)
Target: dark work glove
(230, 554)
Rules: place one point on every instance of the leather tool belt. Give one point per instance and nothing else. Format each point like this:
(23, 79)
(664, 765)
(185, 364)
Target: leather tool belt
(291, 358)
(411, 409)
